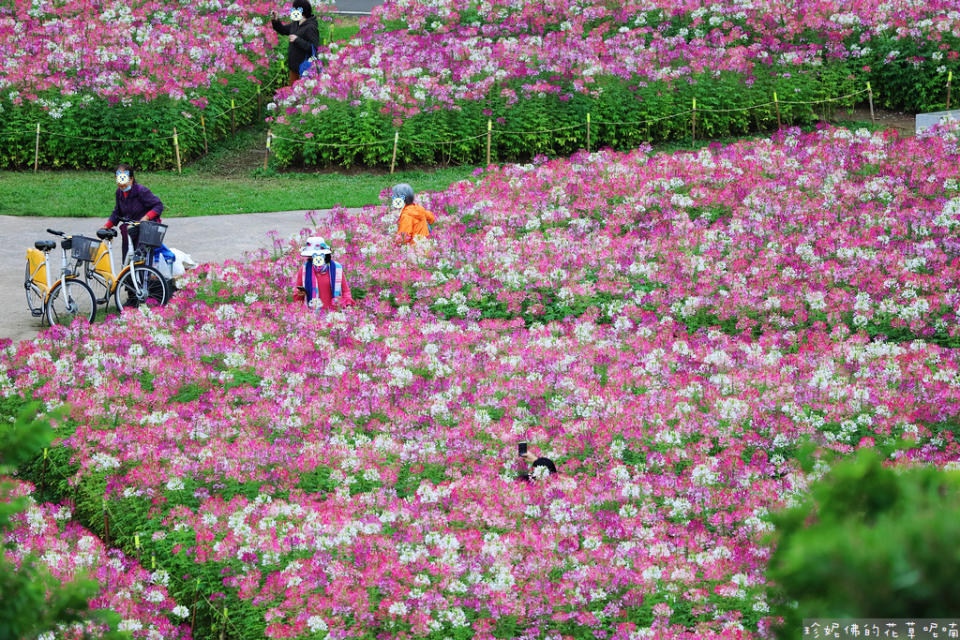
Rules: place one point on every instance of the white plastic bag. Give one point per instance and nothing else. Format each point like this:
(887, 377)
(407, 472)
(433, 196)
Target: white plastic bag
(163, 261)
(182, 262)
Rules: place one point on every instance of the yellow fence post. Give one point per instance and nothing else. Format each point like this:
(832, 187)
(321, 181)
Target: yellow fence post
(588, 132)
(106, 523)
(393, 160)
(266, 153)
(43, 473)
(693, 131)
(776, 102)
(233, 116)
(176, 148)
(203, 125)
(36, 150)
(870, 95)
(949, 81)
(489, 133)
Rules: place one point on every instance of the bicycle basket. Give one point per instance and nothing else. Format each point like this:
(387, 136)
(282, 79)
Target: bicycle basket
(151, 233)
(83, 248)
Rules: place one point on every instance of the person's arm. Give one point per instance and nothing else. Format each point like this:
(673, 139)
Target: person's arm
(431, 219)
(345, 298)
(298, 283)
(307, 36)
(279, 27)
(114, 218)
(151, 203)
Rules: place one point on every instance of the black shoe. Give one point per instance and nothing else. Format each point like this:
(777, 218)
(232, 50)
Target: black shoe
(131, 303)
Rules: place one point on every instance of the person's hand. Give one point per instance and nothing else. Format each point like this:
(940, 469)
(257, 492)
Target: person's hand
(529, 457)
(293, 37)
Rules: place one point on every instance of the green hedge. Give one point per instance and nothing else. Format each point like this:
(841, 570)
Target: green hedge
(139, 133)
(347, 135)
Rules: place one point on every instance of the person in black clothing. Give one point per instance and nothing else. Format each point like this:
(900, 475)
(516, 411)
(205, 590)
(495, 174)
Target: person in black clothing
(549, 468)
(303, 32)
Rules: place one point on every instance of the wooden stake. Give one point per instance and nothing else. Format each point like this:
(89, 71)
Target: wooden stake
(693, 130)
(949, 81)
(203, 125)
(870, 95)
(106, 524)
(233, 116)
(777, 103)
(393, 161)
(588, 132)
(223, 629)
(136, 545)
(36, 150)
(196, 599)
(266, 153)
(258, 103)
(43, 473)
(176, 149)
(489, 133)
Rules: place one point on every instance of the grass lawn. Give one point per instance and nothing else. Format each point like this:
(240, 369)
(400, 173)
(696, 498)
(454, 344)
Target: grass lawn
(91, 193)
(230, 180)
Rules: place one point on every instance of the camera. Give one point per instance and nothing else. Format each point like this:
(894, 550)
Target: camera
(521, 448)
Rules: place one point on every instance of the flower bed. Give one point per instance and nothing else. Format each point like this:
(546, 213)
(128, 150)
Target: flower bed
(439, 71)
(45, 534)
(352, 473)
(129, 72)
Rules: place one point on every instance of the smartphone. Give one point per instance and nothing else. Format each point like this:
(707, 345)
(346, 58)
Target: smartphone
(522, 449)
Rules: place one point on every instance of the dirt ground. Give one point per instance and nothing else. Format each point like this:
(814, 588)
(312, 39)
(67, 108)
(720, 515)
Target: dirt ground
(904, 123)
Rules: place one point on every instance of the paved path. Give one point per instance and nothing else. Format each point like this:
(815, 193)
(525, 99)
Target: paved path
(356, 6)
(206, 239)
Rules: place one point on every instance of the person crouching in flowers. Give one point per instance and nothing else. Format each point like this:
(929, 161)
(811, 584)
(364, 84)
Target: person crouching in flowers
(321, 281)
(413, 224)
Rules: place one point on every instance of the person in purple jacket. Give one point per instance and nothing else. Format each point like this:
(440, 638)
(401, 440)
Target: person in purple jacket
(134, 203)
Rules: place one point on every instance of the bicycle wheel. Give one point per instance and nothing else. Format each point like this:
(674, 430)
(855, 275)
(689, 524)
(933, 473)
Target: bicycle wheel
(34, 294)
(140, 285)
(70, 299)
(99, 285)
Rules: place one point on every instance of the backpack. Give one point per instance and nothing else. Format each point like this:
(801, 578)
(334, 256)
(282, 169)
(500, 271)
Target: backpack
(306, 64)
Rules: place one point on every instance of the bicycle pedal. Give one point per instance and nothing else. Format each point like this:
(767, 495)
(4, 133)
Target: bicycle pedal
(36, 313)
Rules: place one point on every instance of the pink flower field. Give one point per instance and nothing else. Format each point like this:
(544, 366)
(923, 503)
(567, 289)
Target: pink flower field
(411, 57)
(670, 329)
(45, 535)
(129, 51)
(127, 74)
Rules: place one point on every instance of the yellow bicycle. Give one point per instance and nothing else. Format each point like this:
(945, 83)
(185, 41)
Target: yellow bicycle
(137, 282)
(65, 298)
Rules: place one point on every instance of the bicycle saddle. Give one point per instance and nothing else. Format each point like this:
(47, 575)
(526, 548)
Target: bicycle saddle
(45, 245)
(106, 234)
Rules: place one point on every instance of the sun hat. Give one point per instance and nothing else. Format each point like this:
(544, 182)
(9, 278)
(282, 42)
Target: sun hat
(316, 246)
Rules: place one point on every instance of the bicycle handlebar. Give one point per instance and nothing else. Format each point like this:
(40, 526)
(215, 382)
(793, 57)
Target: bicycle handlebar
(55, 232)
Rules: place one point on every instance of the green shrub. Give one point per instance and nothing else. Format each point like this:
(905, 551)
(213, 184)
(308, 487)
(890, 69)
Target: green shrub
(139, 133)
(871, 541)
(345, 135)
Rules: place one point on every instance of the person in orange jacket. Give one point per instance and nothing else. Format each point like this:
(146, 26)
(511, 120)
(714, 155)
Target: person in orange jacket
(414, 222)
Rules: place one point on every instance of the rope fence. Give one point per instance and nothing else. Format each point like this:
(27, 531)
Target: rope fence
(491, 130)
(397, 139)
(191, 127)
